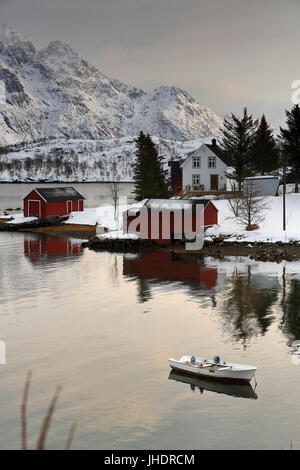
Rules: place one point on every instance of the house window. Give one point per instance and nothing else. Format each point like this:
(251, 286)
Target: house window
(212, 162)
(196, 162)
(196, 181)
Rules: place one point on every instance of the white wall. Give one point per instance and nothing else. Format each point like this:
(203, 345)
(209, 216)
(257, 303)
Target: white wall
(187, 169)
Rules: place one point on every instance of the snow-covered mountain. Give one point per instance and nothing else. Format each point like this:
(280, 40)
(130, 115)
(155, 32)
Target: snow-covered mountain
(55, 92)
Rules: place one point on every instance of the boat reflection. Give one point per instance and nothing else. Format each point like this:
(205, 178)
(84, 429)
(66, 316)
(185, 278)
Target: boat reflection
(39, 247)
(226, 388)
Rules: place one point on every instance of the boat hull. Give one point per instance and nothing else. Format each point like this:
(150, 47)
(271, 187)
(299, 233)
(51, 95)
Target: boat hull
(226, 387)
(232, 372)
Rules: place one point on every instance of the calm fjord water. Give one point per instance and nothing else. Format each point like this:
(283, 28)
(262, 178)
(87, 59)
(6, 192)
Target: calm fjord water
(103, 326)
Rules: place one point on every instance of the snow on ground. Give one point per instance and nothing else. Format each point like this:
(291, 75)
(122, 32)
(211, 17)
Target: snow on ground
(118, 234)
(270, 229)
(20, 219)
(103, 216)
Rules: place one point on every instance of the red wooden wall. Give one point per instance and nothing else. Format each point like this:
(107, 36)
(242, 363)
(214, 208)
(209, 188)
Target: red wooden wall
(210, 218)
(35, 206)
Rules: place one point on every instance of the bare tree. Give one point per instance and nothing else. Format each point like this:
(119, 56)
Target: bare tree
(249, 208)
(114, 188)
(234, 204)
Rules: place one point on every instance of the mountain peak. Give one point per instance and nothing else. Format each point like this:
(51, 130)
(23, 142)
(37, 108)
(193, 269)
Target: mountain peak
(9, 36)
(15, 45)
(56, 92)
(60, 48)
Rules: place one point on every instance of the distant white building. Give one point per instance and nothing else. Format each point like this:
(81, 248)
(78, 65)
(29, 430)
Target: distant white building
(205, 169)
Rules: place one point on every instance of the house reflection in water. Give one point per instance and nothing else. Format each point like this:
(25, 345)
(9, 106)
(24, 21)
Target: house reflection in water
(38, 248)
(169, 267)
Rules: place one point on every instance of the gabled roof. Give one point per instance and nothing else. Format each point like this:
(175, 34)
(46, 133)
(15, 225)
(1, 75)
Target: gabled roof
(218, 152)
(213, 148)
(59, 194)
(167, 204)
(176, 202)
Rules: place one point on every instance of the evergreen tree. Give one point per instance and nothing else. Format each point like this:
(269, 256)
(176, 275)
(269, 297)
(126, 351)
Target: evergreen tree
(149, 174)
(290, 138)
(237, 145)
(265, 155)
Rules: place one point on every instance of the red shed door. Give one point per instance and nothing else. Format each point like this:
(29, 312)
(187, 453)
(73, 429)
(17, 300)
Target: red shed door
(34, 208)
(69, 207)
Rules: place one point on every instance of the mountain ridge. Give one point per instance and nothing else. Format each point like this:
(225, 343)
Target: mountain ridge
(55, 92)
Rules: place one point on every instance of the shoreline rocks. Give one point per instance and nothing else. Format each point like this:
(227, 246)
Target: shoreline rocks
(259, 252)
(39, 223)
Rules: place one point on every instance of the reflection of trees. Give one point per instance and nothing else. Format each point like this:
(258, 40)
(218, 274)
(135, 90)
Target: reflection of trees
(206, 297)
(114, 271)
(290, 324)
(144, 291)
(247, 310)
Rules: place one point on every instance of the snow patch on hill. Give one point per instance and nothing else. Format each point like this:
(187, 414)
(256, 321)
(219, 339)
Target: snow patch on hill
(83, 160)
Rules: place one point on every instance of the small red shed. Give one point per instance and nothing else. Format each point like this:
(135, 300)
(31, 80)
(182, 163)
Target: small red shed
(52, 202)
(156, 225)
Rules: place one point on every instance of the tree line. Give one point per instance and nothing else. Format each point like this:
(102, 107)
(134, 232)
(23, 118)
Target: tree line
(248, 145)
(252, 149)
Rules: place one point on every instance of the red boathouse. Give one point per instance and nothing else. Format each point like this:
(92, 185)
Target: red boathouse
(146, 218)
(52, 202)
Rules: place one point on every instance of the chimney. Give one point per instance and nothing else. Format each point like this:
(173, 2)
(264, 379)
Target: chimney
(214, 142)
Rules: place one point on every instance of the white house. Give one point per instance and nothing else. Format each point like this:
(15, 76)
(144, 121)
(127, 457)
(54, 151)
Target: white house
(205, 169)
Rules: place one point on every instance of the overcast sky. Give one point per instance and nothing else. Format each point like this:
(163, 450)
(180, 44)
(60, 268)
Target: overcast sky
(227, 53)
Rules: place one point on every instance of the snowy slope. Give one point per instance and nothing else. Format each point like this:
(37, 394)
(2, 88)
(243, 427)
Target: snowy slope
(55, 92)
(82, 160)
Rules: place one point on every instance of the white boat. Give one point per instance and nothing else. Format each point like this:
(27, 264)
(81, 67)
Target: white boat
(215, 369)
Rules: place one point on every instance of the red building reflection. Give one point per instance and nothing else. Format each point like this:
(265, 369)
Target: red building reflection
(170, 267)
(39, 248)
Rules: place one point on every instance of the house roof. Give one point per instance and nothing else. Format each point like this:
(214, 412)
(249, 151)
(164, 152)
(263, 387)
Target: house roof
(59, 194)
(218, 151)
(177, 202)
(168, 203)
(214, 148)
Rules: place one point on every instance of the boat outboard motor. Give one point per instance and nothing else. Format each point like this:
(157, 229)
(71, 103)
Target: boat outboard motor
(217, 360)
(193, 360)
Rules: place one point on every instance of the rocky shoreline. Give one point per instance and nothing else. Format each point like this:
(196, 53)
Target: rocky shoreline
(217, 247)
(34, 224)
(272, 252)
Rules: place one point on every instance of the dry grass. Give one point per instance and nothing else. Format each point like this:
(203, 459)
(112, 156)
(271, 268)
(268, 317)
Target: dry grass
(41, 440)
